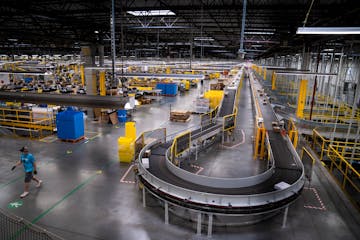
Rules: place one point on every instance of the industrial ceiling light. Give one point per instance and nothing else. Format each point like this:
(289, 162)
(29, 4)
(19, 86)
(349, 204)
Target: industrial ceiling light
(259, 33)
(96, 31)
(328, 30)
(203, 39)
(152, 13)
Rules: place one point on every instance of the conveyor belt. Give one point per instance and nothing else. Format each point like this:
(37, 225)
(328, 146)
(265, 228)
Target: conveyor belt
(286, 168)
(227, 106)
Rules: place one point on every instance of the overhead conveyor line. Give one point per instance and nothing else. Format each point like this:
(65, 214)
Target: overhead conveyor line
(262, 197)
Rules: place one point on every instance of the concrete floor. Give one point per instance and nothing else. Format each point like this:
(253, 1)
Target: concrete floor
(82, 197)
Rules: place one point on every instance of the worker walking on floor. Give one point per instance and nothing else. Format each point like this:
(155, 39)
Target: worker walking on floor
(28, 161)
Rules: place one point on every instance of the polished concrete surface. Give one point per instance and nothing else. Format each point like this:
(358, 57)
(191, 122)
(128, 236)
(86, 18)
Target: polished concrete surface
(82, 196)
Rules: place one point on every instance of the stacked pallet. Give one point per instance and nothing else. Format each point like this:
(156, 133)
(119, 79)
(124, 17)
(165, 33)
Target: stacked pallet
(180, 116)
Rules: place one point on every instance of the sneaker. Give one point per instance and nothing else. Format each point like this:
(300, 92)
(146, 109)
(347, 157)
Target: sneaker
(39, 183)
(24, 194)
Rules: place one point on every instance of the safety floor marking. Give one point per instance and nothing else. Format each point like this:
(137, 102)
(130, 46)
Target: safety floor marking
(238, 144)
(122, 180)
(47, 211)
(322, 206)
(199, 169)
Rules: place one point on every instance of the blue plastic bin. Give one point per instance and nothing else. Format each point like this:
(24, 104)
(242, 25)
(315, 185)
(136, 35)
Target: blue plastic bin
(70, 125)
(171, 89)
(122, 114)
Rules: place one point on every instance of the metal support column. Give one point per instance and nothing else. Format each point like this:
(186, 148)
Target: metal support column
(144, 197)
(210, 223)
(101, 55)
(285, 216)
(198, 227)
(335, 98)
(166, 213)
(113, 47)
(241, 50)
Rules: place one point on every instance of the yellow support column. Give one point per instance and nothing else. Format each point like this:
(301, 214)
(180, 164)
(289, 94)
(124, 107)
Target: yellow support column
(301, 98)
(76, 69)
(82, 75)
(264, 73)
(273, 81)
(102, 83)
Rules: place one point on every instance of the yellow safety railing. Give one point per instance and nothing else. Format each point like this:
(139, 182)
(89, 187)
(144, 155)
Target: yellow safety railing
(225, 120)
(174, 151)
(19, 119)
(321, 146)
(345, 175)
(210, 115)
(259, 129)
(293, 133)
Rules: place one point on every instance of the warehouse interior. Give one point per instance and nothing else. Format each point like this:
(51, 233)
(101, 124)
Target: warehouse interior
(159, 119)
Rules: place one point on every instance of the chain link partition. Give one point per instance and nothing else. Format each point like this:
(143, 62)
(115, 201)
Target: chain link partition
(16, 228)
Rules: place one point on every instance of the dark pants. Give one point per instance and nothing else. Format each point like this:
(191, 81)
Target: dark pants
(28, 177)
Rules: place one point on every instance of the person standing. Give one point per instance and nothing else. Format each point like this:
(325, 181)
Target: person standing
(29, 164)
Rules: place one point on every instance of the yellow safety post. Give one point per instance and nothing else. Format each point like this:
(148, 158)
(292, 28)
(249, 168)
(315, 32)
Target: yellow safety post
(262, 144)
(301, 98)
(102, 83)
(257, 141)
(82, 75)
(295, 140)
(273, 81)
(76, 69)
(264, 73)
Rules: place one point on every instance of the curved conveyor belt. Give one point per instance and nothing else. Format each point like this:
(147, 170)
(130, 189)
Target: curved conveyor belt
(259, 198)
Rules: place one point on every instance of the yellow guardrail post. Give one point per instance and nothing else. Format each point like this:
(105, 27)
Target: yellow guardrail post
(82, 75)
(273, 81)
(264, 73)
(262, 148)
(102, 83)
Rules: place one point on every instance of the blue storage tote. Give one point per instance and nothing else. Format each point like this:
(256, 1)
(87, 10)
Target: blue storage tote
(122, 114)
(171, 89)
(70, 124)
(161, 86)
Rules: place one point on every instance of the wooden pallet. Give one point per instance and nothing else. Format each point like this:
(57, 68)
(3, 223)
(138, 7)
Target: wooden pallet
(179, 120)
(73, 140)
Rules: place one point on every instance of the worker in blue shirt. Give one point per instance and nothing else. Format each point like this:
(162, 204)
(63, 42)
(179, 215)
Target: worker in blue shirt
(28, 161)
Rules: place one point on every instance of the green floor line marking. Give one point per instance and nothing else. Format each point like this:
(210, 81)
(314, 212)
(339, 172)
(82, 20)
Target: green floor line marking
(43, 214)
(12, 181)
(77, 188)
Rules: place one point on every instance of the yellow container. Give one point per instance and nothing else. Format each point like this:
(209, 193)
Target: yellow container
(215, 97)
(130, 130)
(126, 150)
(186, 84)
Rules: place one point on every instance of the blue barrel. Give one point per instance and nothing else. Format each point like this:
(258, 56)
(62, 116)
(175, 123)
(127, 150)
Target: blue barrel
(122, 114)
